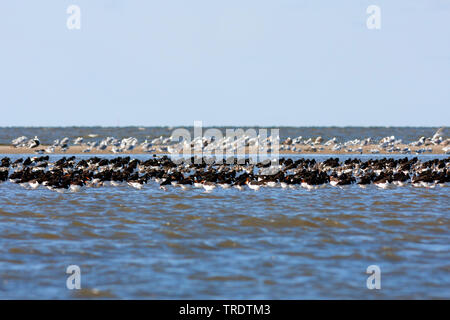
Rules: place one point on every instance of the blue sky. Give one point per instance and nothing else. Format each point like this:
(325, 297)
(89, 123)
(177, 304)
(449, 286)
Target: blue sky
(246, 62)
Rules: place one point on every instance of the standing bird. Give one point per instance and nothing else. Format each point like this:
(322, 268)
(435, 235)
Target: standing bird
(33, 143)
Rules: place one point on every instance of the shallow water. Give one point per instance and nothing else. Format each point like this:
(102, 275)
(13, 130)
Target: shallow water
(48, 134)
(227, 244)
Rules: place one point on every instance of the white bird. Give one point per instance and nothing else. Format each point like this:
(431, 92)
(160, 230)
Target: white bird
(75, 188)
(50, 149)
(19, 142)
(78, 140)
(136, 185)
(33, 184)
(208, 186)
(438, 134)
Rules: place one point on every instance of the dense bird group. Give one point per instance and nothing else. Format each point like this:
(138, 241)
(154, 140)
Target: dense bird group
(71, 175)
(385, 145)
(238, 142)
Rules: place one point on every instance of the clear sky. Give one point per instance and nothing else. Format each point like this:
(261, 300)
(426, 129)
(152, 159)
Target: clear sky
(234, 62)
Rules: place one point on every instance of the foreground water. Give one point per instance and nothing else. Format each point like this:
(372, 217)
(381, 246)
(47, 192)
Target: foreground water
(270, 244)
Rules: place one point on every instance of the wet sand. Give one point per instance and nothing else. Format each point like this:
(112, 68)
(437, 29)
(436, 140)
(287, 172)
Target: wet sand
(318, 149)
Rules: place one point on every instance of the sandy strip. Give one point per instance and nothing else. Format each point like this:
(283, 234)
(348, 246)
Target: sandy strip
(304, 150)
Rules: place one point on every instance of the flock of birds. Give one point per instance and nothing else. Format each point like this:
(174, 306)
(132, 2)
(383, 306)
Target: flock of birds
(118, 146)
(69, 175)
(386, 145)
(232, 144)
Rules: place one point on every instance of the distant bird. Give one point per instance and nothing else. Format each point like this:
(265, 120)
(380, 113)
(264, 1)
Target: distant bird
(437, 137)
(33, 143)
(19, 142)
(102, 146)
(78, 140)
(438, 133)
(64, 141)
(50, 149)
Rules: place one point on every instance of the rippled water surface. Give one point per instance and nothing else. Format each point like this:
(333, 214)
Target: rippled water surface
(270, 244)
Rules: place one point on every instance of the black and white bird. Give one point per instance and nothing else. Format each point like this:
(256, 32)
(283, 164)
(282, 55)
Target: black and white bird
(33, 143)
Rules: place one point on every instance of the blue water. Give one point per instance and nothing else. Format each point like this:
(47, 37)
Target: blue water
(226, 244)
